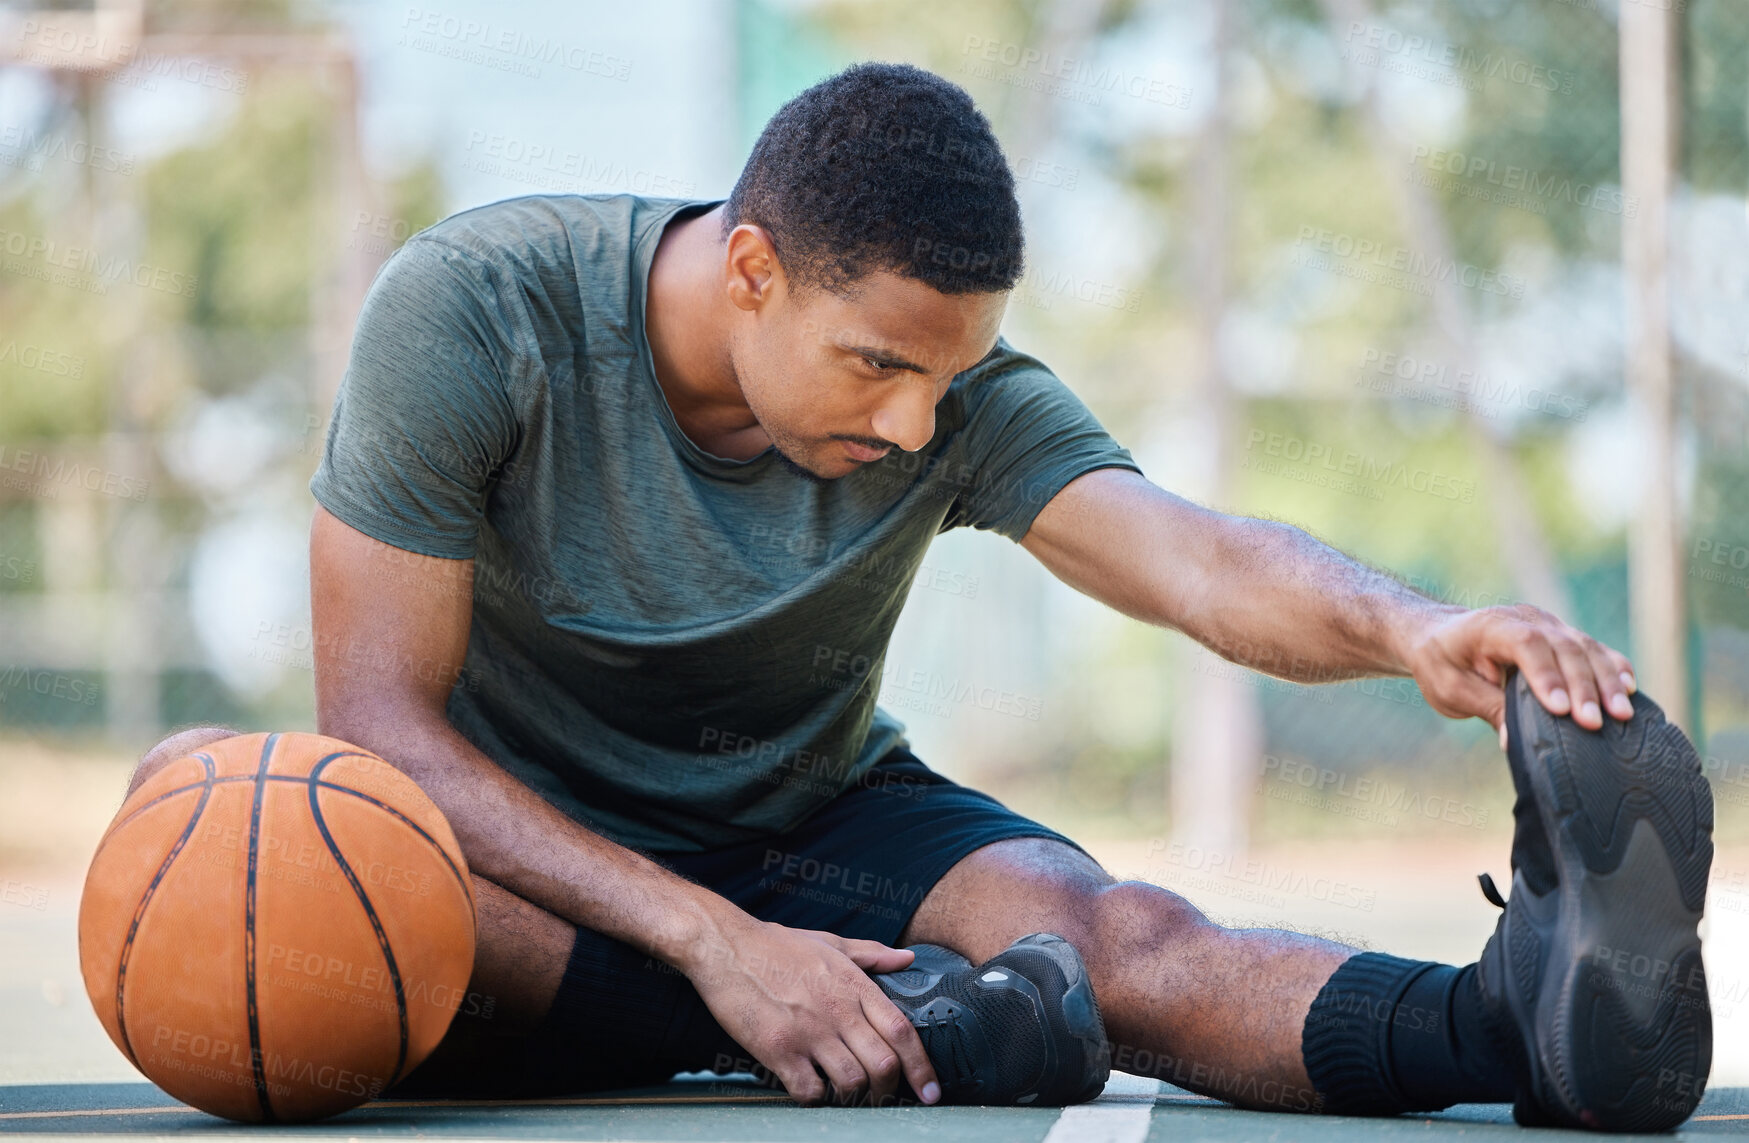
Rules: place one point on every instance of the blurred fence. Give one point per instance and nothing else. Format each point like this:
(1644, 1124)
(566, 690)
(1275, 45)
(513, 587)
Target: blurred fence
(1356, 266)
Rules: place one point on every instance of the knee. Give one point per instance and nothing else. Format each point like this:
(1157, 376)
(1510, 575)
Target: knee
(1133, 919)
(174, 747)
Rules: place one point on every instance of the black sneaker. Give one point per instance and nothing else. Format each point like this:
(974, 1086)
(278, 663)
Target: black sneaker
(1593, 978)
(1021, 1028)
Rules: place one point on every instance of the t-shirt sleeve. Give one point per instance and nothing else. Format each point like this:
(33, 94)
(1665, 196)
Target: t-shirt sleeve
(1026, 436)
(423, 418)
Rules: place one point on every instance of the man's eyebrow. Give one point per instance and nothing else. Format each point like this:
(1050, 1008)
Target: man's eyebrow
(885, 357)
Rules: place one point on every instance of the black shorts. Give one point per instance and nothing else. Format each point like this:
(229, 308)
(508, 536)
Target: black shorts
(861, 865)
(858, 868)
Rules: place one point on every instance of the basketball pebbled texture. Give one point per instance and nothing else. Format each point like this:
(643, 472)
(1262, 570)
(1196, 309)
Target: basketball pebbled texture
(277, 927)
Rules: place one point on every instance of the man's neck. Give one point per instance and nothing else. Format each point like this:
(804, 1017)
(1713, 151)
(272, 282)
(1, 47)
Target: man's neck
(686, 320)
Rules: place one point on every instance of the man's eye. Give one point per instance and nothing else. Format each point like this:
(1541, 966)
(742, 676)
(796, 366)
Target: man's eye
(878, 366)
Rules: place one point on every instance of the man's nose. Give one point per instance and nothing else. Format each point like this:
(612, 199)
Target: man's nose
(908, 416)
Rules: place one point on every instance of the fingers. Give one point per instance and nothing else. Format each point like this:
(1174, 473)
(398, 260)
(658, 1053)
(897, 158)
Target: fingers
(872, 956)
(1524, 644)
(1610, 667)
(896, 1031)
(1569, 672)
(801, 1080)
(1580, 679)
(1459, 693)
(844, 1071)
(879, 1062)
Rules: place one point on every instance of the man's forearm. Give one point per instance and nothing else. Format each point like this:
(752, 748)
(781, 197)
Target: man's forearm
(516, 839)
(1279, 601)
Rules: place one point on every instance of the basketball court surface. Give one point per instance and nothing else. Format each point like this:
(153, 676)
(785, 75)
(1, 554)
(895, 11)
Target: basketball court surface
(1131, 1110)
(60, 1076)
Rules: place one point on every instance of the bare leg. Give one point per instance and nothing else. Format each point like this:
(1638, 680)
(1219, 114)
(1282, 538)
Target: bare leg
(1216, 1010)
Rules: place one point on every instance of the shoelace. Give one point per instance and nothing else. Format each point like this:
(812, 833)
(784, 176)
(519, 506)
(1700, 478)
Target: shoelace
(1491, 891)
(948, 1028)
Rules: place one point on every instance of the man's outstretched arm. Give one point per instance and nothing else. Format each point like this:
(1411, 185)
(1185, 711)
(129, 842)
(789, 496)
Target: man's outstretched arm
(1269, 596)
(391, 631)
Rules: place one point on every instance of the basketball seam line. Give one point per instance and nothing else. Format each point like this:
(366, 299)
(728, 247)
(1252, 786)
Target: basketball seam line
(370, 912)
(372, 799)
(257, 1063)
(359, 794)
(121, 972)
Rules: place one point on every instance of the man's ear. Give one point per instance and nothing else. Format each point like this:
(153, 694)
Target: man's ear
(752, 273)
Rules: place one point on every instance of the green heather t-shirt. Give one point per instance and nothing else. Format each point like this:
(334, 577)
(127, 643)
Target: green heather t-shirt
(678, 650)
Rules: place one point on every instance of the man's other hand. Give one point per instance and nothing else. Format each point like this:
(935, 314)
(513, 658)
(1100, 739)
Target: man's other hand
(1459, 661)
(801, 1001)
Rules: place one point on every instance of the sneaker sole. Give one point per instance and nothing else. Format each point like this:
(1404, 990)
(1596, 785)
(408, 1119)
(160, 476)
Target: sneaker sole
(1623, 1031)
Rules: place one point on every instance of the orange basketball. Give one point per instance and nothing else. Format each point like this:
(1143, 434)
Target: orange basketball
(277, 927)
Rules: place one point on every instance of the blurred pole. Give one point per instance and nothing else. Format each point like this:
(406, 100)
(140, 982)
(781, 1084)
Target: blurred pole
(133, 637)
(132, 649)
(338, 290)
(1650, 107)
(1217, 739)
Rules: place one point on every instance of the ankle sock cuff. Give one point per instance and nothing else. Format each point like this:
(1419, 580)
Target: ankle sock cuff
(1346, 1041)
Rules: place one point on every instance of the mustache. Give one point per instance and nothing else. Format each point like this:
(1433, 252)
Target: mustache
(866, 442)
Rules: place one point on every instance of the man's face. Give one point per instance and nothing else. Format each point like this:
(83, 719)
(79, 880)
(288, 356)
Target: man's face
(836, 382)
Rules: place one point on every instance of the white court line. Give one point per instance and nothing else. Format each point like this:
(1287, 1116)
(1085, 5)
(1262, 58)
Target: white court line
(1117, 1116)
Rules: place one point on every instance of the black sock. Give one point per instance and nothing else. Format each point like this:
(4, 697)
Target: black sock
(1387, 1035)
(622, 1017)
